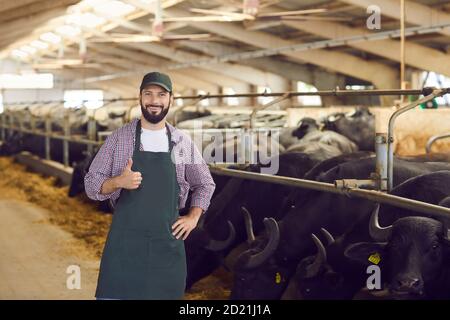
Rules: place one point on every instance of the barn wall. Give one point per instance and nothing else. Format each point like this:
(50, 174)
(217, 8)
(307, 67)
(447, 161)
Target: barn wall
(17, 95)
(30, 95)
(411, 132)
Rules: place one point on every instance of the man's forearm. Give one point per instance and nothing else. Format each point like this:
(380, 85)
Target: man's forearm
(195, 211)
(110, 185)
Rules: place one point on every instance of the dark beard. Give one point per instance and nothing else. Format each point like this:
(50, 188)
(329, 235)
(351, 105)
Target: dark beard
(154, 118)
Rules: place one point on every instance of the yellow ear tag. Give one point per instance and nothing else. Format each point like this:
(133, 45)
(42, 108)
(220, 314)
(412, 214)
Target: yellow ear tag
(277, 277)
(375, 258)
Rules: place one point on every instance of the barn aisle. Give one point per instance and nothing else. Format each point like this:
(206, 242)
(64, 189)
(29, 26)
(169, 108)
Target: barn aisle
(78, 229)
(35, 256)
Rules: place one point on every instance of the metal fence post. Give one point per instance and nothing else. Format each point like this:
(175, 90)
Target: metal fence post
(3, 123)
(21, 127)
(430, 93)
(33, 122)
(11, 124)
(91, 134)
(48, 130)
(65, 141)
(381, 161)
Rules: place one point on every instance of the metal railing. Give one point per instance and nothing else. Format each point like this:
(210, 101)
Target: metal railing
(334, 92)
(371, 195)
(340, 187)
(390, 135)
(8, 129)
(379, 180)
(435, 138)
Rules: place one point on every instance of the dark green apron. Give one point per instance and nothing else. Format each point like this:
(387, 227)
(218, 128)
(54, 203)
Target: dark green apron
(141, 258)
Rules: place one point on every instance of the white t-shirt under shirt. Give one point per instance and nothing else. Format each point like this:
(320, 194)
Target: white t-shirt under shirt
(155, 140)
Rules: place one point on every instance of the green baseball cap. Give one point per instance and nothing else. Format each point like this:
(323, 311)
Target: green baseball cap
(157, 78)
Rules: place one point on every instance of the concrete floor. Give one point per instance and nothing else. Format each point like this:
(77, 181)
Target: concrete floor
(35, 256)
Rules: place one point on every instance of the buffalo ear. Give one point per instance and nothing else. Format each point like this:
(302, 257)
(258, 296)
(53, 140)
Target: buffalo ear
(362, 251)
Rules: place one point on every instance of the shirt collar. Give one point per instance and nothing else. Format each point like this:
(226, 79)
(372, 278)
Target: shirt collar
(175, 133)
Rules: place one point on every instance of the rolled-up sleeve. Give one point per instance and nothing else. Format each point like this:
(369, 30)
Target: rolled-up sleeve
(101, 169)
(200, 180)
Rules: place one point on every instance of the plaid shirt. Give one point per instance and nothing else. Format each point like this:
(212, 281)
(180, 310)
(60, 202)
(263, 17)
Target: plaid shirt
(191, 169)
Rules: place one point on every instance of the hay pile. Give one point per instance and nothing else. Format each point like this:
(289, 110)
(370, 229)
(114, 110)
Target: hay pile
(83, 220)
(74, 215)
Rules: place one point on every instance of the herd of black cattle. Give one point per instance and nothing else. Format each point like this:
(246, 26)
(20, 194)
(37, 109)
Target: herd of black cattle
(289, 243)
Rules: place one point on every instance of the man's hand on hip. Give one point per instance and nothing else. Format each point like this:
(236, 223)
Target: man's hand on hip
(185, 224)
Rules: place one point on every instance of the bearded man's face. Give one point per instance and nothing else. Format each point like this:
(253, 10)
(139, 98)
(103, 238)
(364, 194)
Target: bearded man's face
(155, 103)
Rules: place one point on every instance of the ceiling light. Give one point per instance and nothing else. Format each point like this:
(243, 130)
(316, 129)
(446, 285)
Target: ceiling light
(68, 30)
(67, 62)
(114, 8)
(93, 3)
(39, 44)
(28, 49)
(50, 37)
(47, 66)
(26, 81)
(19, 53)
(87, 19)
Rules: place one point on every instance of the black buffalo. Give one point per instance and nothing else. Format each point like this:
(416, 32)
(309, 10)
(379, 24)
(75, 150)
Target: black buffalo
(358, 126)
(318, 209)
(329, 274)
(76, 187)
(415, 250)
(78, 121)
(262, 199)
(320, 144)
(12, 144)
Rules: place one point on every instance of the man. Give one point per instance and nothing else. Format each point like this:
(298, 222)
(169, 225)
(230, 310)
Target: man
(152, 166)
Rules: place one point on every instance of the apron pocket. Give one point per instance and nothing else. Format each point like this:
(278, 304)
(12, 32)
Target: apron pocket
(133, 250)
(163, 253)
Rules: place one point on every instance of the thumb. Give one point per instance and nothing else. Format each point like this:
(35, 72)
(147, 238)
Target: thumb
(129, 164)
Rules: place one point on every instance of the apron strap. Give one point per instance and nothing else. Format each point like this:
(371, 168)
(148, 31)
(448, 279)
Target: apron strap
(169, 136)
(137, 143)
